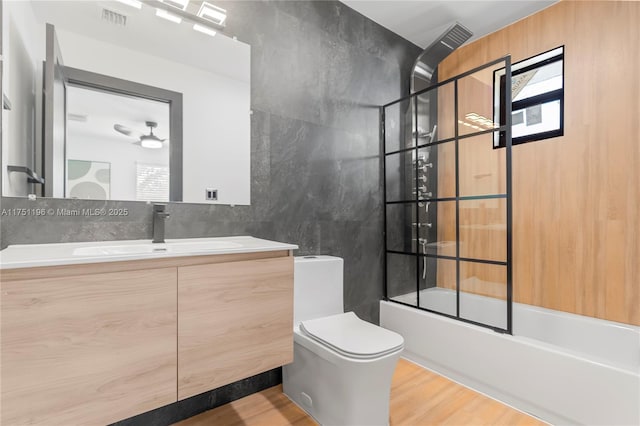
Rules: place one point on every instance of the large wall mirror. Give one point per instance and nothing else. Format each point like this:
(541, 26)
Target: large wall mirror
(103, 100)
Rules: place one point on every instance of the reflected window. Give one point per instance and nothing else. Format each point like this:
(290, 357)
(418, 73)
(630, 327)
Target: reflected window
(537, 93)
(152, 182)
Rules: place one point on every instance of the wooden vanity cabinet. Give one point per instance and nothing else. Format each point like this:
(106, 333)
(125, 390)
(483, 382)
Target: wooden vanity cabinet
(85, 348)
(96, 343)
(235, 320)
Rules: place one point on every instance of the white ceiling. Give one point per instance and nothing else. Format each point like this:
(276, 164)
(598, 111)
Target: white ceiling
(102, 110)
(422, 21)
(147, 33)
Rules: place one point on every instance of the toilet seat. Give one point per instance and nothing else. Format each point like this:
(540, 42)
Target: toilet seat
(352, 337)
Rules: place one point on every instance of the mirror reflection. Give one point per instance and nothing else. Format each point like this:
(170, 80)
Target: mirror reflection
(107, 101)
(110, 153)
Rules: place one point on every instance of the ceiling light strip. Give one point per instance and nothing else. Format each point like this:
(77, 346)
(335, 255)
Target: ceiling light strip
(132, 3)
(205, 30)
(168, 16)
(180, 4)
(212, 13)
(183, 14)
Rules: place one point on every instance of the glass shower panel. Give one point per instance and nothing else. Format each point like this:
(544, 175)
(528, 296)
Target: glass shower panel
(483, 229)
(476, 101)
(436, 114)
(436, 171)
(482, 169)
(401, 231)
(437, 282)
(447, 200)
(401, 278)
(437, 228)
(398, 126)
(483, 293)
(400, 176)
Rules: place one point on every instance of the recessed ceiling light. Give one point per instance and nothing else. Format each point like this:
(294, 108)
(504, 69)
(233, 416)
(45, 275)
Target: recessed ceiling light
(180, 4)
(133, 3)
(168, 16)
(212, 13)
(204, 30)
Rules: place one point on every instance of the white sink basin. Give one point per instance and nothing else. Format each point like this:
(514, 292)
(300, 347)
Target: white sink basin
(168, 247)
(31, 255)
(111, 250)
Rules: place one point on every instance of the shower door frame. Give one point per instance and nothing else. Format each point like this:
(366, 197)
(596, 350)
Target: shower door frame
(506, 128)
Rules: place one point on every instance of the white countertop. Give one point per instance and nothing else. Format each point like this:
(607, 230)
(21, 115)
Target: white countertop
(34, 255)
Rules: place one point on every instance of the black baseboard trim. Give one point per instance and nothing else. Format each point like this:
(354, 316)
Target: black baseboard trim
(173, 413)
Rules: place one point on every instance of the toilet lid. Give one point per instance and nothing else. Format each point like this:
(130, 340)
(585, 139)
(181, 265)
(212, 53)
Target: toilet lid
(351, 336)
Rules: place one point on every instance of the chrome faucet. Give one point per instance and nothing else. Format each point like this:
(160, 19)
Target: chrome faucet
(159, 215)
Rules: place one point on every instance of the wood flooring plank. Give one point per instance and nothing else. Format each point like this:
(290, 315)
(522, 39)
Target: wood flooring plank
(418, 398)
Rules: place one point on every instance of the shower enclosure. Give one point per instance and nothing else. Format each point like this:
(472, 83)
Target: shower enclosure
(448, 197)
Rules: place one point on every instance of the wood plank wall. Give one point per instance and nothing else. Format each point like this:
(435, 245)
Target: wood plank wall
(576, 198)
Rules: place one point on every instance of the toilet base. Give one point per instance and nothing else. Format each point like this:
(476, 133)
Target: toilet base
(336, 390)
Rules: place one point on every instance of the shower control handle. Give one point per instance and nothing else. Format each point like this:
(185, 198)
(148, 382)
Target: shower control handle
(422, 225)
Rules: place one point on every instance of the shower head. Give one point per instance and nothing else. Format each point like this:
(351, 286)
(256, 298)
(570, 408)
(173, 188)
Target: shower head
(428, 61)
(455, 36)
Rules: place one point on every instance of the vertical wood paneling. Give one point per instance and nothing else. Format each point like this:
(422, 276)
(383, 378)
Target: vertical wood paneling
(576, 198)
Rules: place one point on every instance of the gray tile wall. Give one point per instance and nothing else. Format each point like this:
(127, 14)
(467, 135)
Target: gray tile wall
(319, 72)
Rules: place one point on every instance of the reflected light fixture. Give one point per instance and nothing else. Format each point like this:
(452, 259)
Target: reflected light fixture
(212, 13)
(180, 4)
(203, 29)
(133, 3)
(168, 16)
(150, 143)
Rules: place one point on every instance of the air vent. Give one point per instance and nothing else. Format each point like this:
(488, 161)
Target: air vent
(114, 18)
(456, 36)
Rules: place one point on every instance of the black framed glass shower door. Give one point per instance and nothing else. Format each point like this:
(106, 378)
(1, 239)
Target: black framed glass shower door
(448, 214)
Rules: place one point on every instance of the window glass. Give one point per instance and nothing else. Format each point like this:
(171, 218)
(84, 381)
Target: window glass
(536, 119)
(537, 92)
(537, 81)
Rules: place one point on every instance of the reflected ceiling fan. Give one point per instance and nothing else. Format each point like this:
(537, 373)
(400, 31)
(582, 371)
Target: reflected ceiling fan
(146, 141)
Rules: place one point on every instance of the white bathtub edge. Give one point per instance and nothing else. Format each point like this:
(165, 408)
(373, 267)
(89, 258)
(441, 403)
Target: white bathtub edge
(555, 386)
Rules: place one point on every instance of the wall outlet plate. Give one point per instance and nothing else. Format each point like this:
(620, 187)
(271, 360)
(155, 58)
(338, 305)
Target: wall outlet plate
(211, 194)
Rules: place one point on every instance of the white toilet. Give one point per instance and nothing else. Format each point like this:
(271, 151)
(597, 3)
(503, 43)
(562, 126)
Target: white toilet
(342, 368)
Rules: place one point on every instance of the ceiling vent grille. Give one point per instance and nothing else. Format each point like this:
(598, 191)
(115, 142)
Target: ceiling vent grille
(114, 18)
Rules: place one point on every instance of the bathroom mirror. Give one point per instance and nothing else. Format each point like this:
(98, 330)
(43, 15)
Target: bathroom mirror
(112, 101)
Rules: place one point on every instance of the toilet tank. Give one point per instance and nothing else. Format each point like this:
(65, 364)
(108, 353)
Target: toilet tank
(317, 287)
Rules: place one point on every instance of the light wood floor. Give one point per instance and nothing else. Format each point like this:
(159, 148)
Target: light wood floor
(418, 398)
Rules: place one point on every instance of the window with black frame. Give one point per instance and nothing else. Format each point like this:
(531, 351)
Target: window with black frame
(537, 94)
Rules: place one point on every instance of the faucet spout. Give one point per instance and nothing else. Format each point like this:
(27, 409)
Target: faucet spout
(159, 215)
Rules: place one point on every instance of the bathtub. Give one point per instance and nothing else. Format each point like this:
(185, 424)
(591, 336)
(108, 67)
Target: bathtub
(560, 367)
